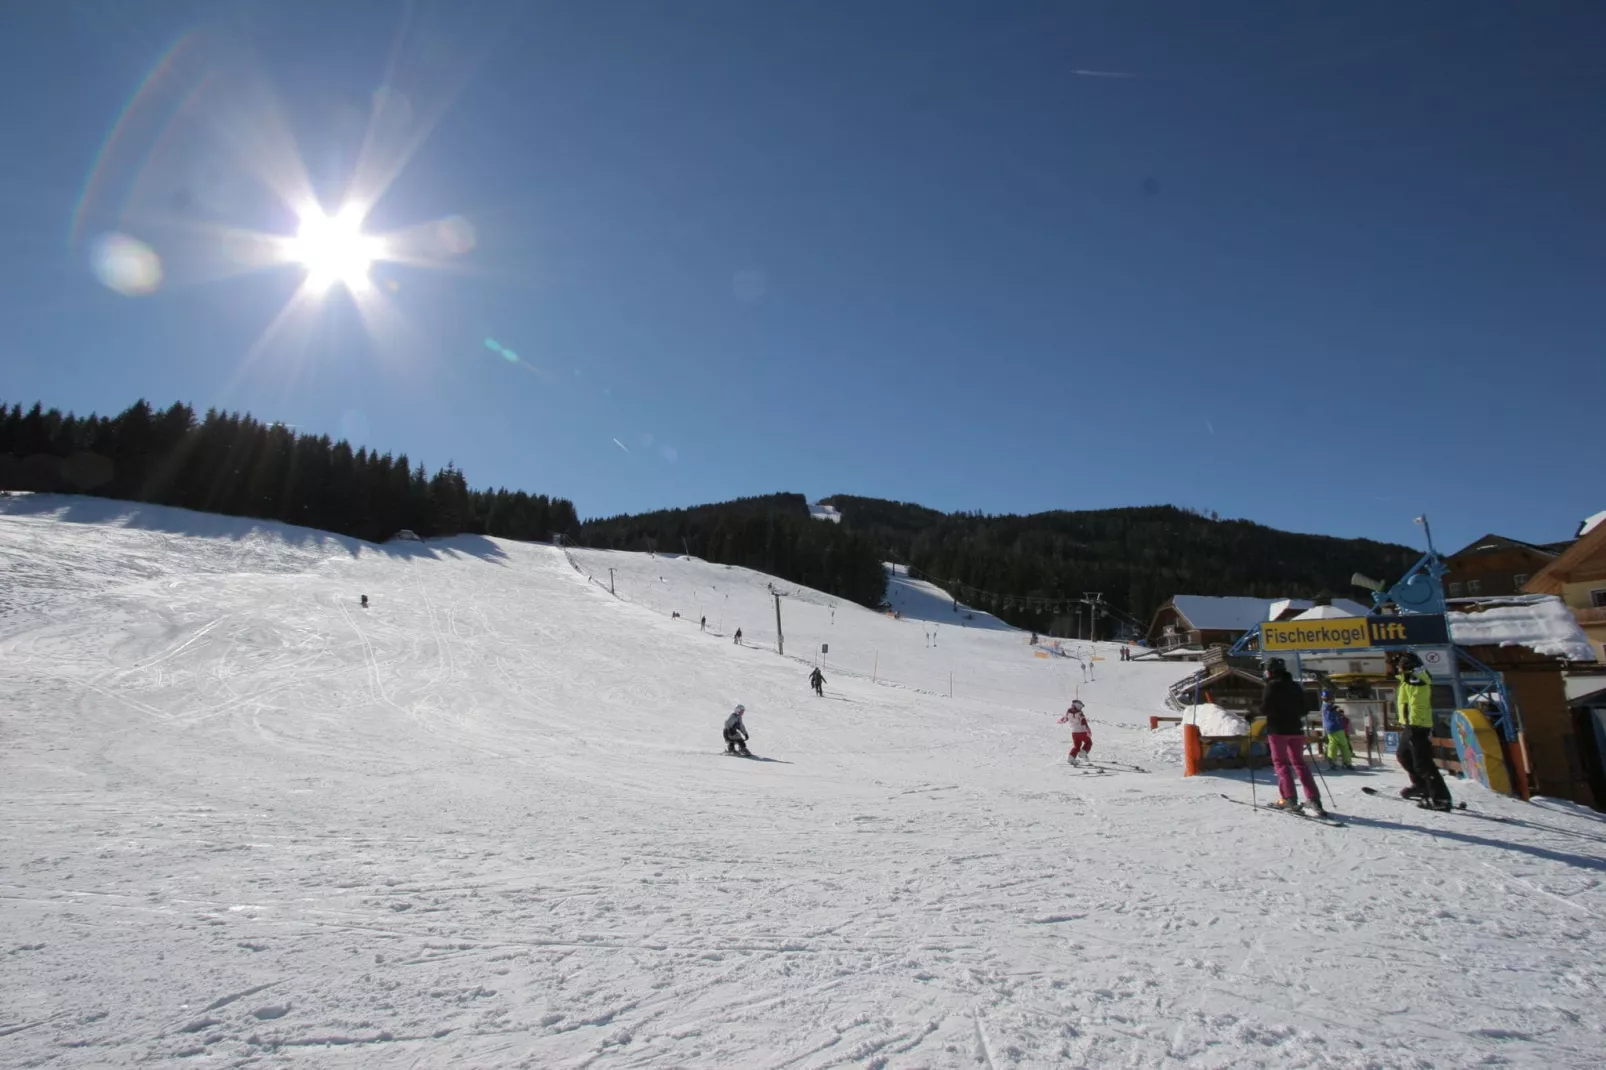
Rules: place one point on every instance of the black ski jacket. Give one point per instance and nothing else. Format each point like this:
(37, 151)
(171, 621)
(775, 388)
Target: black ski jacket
(1283, 706)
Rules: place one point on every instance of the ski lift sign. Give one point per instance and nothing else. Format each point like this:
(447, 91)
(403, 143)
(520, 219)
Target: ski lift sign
(1355, 633)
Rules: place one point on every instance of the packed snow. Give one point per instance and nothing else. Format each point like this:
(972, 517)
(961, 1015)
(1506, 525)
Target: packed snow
(1540, 622)
(1212, 720)
(487, 822)
(1590, 523)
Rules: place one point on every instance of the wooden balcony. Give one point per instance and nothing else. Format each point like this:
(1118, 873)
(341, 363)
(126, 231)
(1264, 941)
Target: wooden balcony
(1590, 616)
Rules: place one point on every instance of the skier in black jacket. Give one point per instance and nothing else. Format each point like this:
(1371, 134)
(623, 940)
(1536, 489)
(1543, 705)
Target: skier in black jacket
(817, 681)
(736, 732)
(1283, 706)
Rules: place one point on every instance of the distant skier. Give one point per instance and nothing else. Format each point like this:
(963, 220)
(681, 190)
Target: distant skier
(817, 681)
(365, 601)
(1415, 752)
(1335, 726)
(1081, 734)
(703, 624)
(738, 637)
(1283, 706)
(736, 732)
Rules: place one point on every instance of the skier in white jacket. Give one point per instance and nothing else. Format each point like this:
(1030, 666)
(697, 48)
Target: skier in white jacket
(1081, 735)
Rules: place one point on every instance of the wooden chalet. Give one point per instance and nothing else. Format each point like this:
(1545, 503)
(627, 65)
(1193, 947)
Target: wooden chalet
(1189, 624)
(1578, 578)
(1535, 645)
(1495, 565)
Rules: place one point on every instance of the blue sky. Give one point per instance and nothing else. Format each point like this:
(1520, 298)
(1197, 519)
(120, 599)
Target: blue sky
(1323, 266)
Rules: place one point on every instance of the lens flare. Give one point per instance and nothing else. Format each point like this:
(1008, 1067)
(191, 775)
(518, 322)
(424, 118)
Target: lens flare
(126, 265)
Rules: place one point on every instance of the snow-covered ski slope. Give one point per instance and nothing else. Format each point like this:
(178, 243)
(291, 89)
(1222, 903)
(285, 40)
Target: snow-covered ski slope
(484, 823)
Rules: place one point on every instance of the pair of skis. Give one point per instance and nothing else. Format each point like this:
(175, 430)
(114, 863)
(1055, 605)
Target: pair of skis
(1107, 766)
(1325, 819)
(1461, 806)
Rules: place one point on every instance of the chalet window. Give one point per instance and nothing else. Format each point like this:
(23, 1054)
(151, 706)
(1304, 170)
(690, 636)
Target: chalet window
(1597, 597)
(1519, 579)
(1455, 590)
(1474, 587)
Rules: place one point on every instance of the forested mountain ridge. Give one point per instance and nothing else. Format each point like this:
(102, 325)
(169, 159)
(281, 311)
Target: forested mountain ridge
(1137, 557)
(239, 466)
(772, 533)
(1026, 569)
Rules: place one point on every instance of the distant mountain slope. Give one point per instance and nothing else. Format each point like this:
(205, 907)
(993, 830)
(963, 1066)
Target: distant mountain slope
(773, 533)
(1137, 557)
(1021, 568)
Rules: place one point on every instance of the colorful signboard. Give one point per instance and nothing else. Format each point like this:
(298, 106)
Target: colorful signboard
(1477, 745)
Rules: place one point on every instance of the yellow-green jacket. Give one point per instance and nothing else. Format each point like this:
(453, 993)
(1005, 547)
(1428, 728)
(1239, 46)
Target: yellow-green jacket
(1416, 699)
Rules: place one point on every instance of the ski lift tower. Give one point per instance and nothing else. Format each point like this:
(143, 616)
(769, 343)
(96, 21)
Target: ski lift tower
(1094, 600)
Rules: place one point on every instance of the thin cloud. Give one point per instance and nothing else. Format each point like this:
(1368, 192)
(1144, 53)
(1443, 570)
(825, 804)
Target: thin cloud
(621, 445)
(1211, 426)
(1103, 74)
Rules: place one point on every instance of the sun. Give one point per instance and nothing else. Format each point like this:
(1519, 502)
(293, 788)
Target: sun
(334, 248)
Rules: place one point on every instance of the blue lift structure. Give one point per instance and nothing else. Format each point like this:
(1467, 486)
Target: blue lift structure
(1421, 590)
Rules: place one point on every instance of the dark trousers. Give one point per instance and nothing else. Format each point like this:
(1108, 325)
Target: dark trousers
(734, 740)
(1416, 755)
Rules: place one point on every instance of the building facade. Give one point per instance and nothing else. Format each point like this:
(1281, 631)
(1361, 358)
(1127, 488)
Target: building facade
(1495, 566)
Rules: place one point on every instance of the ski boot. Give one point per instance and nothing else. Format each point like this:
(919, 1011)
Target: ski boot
(1412, 792)
(1436, 804)
(1289, 806)
(1313, 807)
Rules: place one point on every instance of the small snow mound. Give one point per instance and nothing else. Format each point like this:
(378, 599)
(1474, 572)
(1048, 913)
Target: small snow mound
(1215, 721)
(1165, 745)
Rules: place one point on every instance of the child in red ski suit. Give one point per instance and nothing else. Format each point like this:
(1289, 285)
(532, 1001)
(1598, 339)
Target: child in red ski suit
(1081, 736)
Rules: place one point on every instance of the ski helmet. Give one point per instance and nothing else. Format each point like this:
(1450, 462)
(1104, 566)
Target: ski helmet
(740, 708)
(1276, 667)
(1326, 693)
(1409, 660)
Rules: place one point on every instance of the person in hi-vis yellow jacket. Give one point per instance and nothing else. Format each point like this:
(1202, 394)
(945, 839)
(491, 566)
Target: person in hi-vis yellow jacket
(1416, 742)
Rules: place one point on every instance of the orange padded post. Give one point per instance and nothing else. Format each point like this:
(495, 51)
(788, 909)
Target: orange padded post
(1191, 748)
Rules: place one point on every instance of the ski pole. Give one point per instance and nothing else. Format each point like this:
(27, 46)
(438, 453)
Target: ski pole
(1325, 789)
(1252, 801)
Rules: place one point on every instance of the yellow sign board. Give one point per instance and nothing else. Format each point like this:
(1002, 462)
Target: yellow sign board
(1339, 633)
(1355, 633)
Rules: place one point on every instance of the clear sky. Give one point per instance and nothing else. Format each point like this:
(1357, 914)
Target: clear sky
(1325, 266)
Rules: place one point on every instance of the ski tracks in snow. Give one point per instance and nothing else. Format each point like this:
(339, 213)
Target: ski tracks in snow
(481, 824)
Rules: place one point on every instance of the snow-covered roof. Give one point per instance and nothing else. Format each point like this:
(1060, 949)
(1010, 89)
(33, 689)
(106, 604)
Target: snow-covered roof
(1236, 613)
(1540, 622)
(1591, 523)
(1230, 613)
(1341, 607)
(1283, 605)
(1324, 613)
